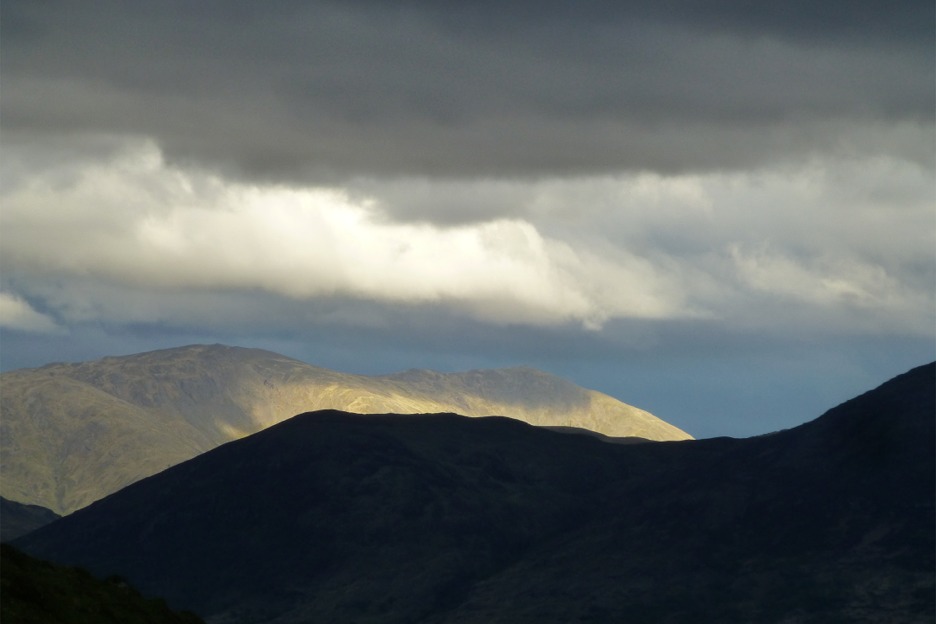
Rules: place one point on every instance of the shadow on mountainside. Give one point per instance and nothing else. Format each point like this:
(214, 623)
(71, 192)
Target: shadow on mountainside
(332, 516)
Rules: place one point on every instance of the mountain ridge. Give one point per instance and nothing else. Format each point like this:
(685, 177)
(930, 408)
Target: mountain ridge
(450, 520)
(17, 519)
(72, 433)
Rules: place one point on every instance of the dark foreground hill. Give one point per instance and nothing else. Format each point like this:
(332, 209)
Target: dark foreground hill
(38, 592)
(334, 517)
(72, 433)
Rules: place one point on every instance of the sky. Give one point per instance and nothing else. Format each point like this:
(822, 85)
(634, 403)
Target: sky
(723, 213)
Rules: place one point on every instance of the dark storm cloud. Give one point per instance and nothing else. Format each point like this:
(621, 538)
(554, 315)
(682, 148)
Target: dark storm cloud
(286, 90)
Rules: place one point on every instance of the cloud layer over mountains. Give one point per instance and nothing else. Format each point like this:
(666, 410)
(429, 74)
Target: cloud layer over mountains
(846, 241)
(479, 89)
(270, 170)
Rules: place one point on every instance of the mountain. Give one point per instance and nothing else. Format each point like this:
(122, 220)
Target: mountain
(73, 433)
(441, 519)
(17, 519)
(38, 592)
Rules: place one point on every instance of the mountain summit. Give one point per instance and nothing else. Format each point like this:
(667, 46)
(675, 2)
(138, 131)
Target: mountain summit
(73, 433)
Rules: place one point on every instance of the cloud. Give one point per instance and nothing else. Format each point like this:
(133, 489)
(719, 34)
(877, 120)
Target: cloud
(134, 220)
(850, 241)
(304, 92)
(837, 290)
(17, 314)
(535, 164)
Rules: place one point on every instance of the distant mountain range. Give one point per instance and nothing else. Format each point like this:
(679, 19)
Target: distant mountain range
(72, 433)
(441, 519)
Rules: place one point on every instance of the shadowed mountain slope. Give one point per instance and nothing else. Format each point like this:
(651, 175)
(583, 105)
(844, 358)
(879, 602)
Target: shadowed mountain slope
(443, 519)
(73, 433)
(832, 521)
(17, 519)
(38, 592)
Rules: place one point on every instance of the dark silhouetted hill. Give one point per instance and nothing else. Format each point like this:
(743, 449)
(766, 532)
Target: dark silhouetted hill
(38, 592)
(335, 517)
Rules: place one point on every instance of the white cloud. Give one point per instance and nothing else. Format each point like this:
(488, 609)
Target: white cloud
(15, 313)
(822, 280)
(846, 239)
(137, 221)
